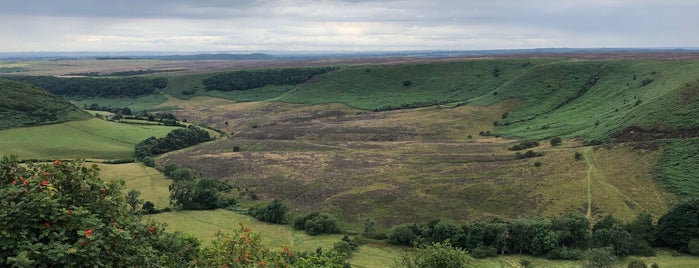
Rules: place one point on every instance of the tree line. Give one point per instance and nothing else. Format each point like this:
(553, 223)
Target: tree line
(175, 140)
(243, 80)
(79, 87)
(567, 237)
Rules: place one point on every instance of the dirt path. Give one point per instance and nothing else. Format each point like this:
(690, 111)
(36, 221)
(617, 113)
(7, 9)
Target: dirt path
(590, 168)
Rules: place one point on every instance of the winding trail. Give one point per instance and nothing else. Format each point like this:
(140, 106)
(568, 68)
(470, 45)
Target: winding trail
(590, 167)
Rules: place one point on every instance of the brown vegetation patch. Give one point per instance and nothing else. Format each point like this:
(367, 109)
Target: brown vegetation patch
(637, 133)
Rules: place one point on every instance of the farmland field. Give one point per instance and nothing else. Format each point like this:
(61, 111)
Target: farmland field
(89, 139)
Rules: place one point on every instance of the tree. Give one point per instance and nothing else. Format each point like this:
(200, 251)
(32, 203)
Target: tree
(133, 201)
(437, 255)
(63, 214)
(149, 208)
(272, 213)
(572, 230)
(679, 225)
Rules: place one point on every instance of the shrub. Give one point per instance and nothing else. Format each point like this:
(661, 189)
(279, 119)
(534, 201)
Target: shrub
(578, 156)
(537, 164)
(636, 263)
(407, 83)
(274, 212)
(600, 258)
(148, 161)
(403, 234)
(62, 214)
(556, 141)
(437, 255)
(693, 246)
(316, 223)
(525, 144)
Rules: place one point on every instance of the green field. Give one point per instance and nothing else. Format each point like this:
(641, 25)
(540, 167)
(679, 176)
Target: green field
(143, 103)
(88, 139)
(152, 184)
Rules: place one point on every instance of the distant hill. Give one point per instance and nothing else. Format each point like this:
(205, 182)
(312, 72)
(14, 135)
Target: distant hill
(594, 100)
(26, 105)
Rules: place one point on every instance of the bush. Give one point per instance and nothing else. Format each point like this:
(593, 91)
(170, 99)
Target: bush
(407, 83)
(274, 212)
(556, 141)
(148, 161)
(636, 263)
(526, 144)
(693, 246)
(578, 156)
(437, 255)
(316, 223)
(403, 234)
(600, 258)
(64, 215)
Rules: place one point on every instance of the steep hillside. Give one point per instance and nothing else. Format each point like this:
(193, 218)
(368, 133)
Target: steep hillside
(597, 100)
(25, 105)
(593, 100)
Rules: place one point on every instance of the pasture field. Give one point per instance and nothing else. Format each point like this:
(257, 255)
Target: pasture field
(143, 103)
(152, 184)
(88, 139)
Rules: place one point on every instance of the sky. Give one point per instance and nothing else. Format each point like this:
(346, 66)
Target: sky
(344, 25)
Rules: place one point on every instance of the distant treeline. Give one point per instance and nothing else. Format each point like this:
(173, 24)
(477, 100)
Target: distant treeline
(175, 140)
(123, 73)
(93, 87)
(568, 237)
(242, 80)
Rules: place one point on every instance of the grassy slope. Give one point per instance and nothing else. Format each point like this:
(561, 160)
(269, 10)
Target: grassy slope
(560, 97)
(92, 139)
(377, 86)
(143, 103)
(204, 224)
(25, 105)
(607, 106)
(679, 166)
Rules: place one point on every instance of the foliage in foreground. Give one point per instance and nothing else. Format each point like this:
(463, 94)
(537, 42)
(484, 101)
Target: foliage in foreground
(63, 214)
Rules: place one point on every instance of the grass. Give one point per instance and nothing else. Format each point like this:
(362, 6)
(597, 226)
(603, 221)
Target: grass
(384, 86)
(678, 168)
(560, 98)
(205, 224)
(143, 103)
(152, 184)
(90, 139)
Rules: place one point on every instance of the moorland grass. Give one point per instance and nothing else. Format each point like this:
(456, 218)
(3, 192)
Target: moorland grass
(385, 86)
(678, 168)
(89, 139)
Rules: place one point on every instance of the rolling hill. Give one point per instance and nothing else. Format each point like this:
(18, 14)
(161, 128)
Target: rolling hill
(401, 143)
(24, 105)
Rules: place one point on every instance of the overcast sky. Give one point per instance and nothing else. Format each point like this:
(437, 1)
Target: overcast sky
(343, 25)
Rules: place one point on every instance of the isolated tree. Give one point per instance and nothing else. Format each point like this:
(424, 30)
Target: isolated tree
(275, 212)
(133, 200)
